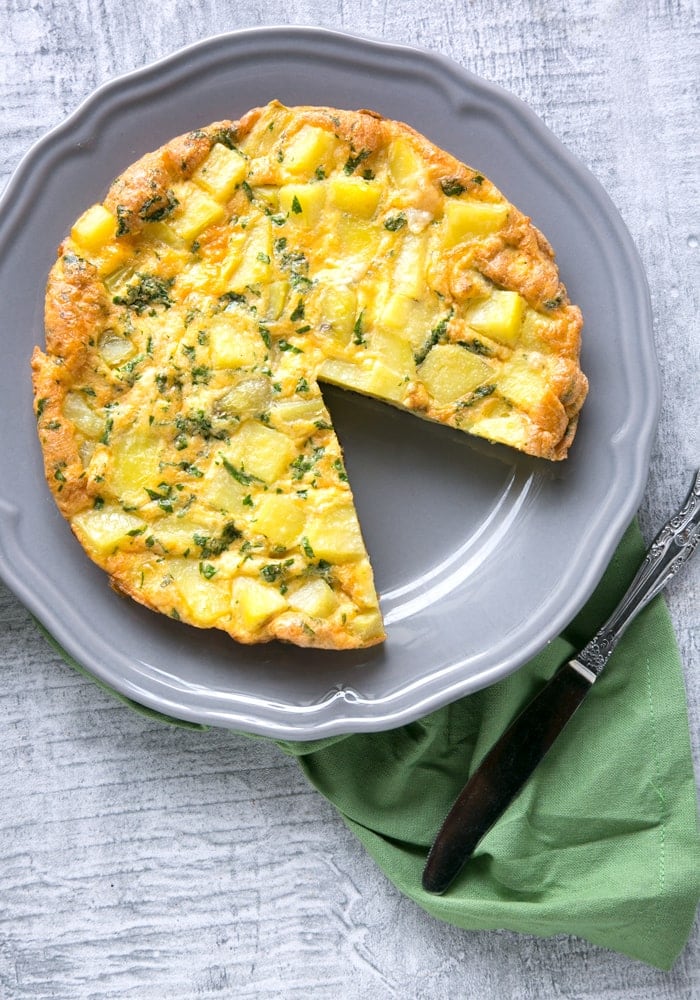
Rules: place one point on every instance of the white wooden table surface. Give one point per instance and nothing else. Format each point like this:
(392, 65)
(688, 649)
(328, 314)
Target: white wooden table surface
(142, 861)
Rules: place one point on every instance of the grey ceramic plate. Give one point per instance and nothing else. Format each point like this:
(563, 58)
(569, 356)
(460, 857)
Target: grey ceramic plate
(481, 556)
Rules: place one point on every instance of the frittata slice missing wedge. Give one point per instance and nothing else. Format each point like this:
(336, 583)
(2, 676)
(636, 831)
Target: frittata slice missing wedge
(191, 315)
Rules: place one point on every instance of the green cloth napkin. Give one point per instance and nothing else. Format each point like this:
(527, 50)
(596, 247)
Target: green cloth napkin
(603, 841)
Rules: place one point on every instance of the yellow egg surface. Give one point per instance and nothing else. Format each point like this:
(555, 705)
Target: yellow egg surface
(192, 314)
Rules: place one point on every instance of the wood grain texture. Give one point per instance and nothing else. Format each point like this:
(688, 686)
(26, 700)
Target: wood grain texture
(148, 862)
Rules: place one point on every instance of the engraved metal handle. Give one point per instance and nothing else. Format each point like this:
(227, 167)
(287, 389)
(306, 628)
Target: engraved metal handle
(507, 766)
(670, 550)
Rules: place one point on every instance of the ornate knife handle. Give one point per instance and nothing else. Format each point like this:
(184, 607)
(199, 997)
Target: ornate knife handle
(508, 765)
(671, 548)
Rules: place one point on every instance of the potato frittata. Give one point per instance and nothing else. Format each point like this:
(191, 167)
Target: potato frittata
(190, 317)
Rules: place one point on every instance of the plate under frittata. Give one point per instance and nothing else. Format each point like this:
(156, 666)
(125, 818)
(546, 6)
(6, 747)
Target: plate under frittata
(470, 587)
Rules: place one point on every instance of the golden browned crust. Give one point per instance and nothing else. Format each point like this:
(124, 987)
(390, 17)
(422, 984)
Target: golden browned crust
(513, 258)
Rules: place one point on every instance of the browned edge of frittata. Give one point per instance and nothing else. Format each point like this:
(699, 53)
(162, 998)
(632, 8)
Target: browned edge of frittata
(518, 257)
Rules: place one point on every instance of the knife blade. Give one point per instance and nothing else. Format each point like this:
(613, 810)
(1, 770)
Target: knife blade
(506, 768)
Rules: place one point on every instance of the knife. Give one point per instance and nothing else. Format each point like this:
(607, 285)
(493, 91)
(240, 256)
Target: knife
(506, 768)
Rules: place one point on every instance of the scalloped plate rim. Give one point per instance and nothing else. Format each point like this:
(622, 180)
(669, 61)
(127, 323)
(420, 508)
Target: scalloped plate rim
(349, 713)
